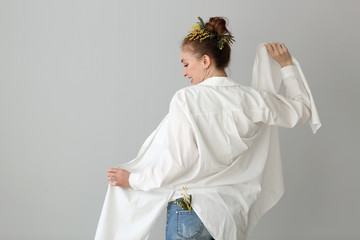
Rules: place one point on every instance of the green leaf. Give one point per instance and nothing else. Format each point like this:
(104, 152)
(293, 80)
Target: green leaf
(202, 24)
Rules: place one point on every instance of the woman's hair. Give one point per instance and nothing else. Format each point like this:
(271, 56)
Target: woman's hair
(208, 46)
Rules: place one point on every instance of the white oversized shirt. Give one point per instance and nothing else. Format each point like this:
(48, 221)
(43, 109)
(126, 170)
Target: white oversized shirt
(220, 140)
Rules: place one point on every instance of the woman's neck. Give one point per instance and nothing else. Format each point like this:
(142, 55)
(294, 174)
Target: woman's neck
(217, 73)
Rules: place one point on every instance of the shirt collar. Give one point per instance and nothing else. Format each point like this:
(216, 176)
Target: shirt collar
(218, 81)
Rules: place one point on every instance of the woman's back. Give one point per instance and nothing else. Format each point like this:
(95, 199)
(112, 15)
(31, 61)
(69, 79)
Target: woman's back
(231, 114)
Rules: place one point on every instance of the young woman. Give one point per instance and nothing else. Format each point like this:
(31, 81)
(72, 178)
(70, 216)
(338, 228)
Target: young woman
(214, 141)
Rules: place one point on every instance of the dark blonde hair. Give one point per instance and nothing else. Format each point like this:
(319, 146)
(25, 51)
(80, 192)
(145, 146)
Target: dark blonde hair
(208, 46)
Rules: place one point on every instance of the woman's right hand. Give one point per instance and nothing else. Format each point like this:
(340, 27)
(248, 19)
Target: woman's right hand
(280, 53)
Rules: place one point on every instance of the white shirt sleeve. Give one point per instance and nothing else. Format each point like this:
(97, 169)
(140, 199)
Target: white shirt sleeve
(276, 109)
(177, 156)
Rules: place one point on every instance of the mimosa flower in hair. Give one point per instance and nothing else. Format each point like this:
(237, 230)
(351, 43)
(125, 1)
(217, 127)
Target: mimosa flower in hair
(199, 31)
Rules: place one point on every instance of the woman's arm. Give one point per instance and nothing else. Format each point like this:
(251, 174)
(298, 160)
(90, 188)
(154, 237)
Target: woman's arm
(276, 109)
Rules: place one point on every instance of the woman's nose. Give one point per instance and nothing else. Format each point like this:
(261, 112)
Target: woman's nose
(184, 73)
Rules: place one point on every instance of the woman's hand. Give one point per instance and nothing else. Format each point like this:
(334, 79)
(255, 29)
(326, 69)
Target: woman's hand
(120, 176)
(280, 53)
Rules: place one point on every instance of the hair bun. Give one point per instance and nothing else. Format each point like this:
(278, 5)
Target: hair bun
(217, 40)
(217, 25)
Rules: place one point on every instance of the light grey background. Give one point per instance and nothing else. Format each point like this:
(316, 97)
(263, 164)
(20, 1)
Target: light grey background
(83, 83)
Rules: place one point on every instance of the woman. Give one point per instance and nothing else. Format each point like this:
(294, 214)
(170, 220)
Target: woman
(215, 141)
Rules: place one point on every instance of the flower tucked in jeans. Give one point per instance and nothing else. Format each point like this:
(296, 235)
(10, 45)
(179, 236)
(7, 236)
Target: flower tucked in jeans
(181, 224)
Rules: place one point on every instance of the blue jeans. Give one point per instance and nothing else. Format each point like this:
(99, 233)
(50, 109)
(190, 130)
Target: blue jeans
(181, 224)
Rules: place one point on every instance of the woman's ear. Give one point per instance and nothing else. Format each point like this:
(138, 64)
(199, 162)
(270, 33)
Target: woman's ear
(206, 61)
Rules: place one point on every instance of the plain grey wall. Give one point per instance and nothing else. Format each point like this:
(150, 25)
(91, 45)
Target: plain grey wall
(83, 83)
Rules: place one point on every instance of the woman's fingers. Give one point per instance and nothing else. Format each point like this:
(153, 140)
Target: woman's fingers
(115, 175)
(112, 174)
(111, 178)
(280, 53)
(120, 177)
(273, 48)
(284, 48)
(276, 48)
(279, 48)
(269, 48)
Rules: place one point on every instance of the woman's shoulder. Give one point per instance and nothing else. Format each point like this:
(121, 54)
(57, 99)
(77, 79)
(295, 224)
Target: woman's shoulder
(182, 93)
(194, 93)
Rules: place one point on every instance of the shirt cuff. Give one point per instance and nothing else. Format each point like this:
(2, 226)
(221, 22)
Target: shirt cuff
(288, 71)
(134, 181)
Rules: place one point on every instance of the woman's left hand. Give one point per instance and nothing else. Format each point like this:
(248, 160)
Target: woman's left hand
(280, 53)
(120, 176)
